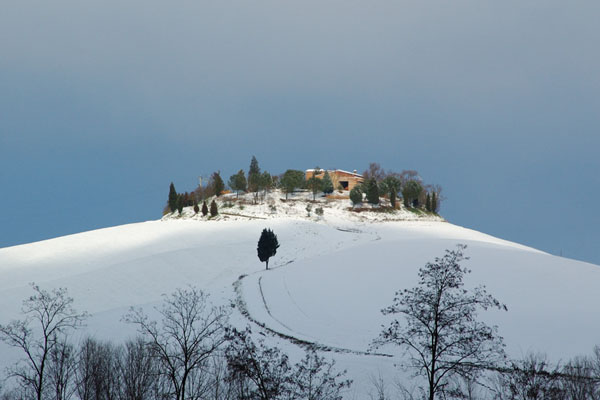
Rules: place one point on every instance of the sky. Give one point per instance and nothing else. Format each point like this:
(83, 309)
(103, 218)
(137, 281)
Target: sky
(103, 104)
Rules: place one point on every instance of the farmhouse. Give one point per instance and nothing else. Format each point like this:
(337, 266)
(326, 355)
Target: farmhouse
(347, 180)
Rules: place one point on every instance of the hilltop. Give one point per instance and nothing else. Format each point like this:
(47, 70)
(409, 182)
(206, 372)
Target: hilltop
(337, 208)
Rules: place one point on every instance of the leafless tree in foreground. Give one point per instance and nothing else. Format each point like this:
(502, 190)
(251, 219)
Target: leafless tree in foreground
(440, 330)
(49, 317)
(190, 333)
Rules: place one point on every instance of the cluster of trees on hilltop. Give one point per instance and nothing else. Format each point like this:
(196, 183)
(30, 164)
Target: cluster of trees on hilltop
(190, 354)
(378, 183)
(406, 184)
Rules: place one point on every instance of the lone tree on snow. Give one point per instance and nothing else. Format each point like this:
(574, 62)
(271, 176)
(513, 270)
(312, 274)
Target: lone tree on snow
(440, 331)
(267, 245)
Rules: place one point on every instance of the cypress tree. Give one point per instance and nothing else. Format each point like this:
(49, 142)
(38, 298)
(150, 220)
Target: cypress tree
(254, 177)
(213, 209)
(172, 198)
(267, 246)
(204, 208)
(372, 191)
(217, 183)
(327, 183)
(180, 204)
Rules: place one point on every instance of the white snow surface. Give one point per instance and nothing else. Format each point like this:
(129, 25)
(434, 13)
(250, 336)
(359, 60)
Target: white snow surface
(327, 284)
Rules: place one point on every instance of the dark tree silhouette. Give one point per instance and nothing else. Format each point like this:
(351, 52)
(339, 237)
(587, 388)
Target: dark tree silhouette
(214, 210)
(48, 318)
(267, 246)
(238, 182)
(372, 191)
(172, 198)
(216, 183)
(441, 332)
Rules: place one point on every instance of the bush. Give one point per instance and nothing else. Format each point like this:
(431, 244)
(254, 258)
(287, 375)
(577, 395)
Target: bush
(356, 195)
(196, 208)
(204, 208)
(213, 209)
(319, 210)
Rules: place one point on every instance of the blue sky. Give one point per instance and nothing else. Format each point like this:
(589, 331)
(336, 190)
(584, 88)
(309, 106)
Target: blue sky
(103, 104)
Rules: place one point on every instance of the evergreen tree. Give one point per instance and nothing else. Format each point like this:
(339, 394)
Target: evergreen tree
(196, 208)
(411, 192)
(428, 203)
(372, 191)
(254, 168)
(172, 198)
(315, 184)
(238, 182)
(180, 203)
(204, 208)
(213, 209)
(216, 182)
(267, 246)
(327, 183)
(434, 202)
(254, 177)
(266, 182)
(291, 180)
(356, 195)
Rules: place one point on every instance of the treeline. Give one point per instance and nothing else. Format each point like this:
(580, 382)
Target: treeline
(191, 353)
(406, 185)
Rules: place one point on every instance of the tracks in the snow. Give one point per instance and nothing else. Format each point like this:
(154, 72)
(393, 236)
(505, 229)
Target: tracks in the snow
(242, 306)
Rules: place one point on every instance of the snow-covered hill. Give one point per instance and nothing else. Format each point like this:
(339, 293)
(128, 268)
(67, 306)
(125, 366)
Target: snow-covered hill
(329, 279)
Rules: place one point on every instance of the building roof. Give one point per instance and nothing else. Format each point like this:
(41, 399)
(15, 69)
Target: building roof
(337, 170)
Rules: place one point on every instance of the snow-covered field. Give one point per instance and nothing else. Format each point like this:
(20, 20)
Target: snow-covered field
(329, 279)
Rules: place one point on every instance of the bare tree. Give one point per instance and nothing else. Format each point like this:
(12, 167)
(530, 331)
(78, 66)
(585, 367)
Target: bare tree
(532, 378)
(49, 317)
(61, 369)
(374, 172)
(189, 334)
(579, 381)
(314, 378)
(441, 333)
(262, 372)
(379, 388)
(97, 370)
(138, 371)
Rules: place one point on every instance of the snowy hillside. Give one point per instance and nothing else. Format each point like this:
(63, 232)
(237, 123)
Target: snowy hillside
(329, 279)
